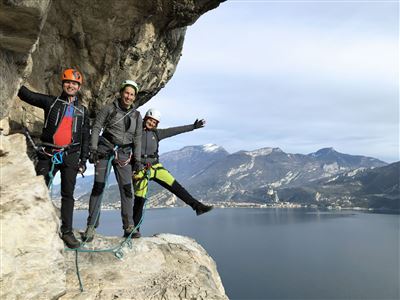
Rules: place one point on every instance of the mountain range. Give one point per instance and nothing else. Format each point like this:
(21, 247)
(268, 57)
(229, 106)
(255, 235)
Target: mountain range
(323, 178)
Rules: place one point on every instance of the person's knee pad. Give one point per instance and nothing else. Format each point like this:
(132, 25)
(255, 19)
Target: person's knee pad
(127, 190)
(98, 188)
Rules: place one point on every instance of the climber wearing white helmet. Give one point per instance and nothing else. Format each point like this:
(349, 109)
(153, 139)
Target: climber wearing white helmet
(121, 125)
(151, 137)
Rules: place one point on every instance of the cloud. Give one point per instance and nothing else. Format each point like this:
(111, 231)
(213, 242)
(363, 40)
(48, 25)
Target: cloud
(293, 52)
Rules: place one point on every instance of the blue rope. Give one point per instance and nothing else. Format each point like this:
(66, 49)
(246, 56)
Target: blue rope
(117, 250)
(56, 159)
(108, 170)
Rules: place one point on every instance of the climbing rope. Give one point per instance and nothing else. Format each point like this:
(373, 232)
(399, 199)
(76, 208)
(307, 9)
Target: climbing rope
(56, 159)
(116, 250)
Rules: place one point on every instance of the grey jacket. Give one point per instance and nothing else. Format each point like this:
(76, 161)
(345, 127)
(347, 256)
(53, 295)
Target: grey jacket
(151, 138)
(120, 127)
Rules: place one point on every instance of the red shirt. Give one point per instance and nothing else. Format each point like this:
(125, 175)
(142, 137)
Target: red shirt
(63, 135)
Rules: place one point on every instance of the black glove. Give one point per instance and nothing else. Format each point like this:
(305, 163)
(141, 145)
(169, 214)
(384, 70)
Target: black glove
(137, 166)
(82, 166)
(94, 157)
(199, 123)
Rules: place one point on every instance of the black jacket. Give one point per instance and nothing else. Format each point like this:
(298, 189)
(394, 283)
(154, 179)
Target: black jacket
(54, 110)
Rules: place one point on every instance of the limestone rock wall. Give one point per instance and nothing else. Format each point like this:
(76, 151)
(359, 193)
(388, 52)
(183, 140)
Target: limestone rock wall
(20, 25)
(32, 265)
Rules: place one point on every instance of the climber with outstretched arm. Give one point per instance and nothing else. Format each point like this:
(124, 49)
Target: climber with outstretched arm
(65, 138)
(151, 137)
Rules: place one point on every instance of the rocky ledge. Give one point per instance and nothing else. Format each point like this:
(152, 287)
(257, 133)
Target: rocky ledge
(164, 266)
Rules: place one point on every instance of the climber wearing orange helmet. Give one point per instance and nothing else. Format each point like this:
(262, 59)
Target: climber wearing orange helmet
(65, 135)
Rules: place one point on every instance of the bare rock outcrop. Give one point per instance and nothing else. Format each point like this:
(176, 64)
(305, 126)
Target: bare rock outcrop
(20, 25)
(32, 265)
(165, 266)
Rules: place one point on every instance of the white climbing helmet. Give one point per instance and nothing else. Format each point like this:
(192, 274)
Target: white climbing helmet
(154, 114)
(130, 83)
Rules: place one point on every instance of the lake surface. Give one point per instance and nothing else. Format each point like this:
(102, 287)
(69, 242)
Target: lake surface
(286, 253)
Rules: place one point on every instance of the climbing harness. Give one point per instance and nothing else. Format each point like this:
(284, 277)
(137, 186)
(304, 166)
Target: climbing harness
(122, 163)
(56, 155)
(56, 159)
(116, 250)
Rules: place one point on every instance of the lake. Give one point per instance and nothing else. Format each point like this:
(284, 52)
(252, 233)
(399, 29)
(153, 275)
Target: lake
(286, 253)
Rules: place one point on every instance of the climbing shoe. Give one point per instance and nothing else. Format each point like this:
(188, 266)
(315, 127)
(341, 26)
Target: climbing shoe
(88, 236)
(128, 230)
(70, 240)
(202, 209)
(136, 235)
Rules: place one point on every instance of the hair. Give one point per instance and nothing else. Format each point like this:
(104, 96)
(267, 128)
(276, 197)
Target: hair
(128, 85)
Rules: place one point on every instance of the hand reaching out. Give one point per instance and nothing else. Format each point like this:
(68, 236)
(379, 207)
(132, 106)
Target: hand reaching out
(199, 123)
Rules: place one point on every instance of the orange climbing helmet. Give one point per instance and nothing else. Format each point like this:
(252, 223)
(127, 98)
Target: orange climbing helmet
(72, 75)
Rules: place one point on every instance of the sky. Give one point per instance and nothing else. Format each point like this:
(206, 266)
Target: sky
(298, 75)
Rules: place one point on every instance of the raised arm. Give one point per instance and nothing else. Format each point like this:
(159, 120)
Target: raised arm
(168, 132)
(35, 99)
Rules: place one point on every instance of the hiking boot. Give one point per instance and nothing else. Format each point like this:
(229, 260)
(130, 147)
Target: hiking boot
(70, 240)
(202, 209)
(88, 236)
(129, 230)
(136, 235)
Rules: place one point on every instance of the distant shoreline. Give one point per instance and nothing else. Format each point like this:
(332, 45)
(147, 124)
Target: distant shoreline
(284, 205)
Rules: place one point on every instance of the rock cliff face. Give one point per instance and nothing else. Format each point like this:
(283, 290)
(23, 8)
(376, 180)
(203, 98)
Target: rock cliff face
(108, 41)
(20, 25)
(32, 265)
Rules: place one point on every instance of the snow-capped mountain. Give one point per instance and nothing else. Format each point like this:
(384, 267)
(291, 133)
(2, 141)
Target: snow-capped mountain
(236, 175)
(188, 161)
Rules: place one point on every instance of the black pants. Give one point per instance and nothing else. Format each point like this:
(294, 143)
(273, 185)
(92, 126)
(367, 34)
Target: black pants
(68, 170)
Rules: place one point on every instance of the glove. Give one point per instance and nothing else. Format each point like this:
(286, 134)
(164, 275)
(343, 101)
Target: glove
(137, 167)
(199, 123)
(94, 157)
(82, 166)
(136, 176)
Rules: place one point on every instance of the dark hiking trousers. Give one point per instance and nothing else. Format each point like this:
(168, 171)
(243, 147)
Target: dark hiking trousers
(68, 170)
(123, 175)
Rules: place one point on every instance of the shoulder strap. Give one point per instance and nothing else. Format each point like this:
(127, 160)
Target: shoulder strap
(110, 117)
(158, 142)
(137, 118)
